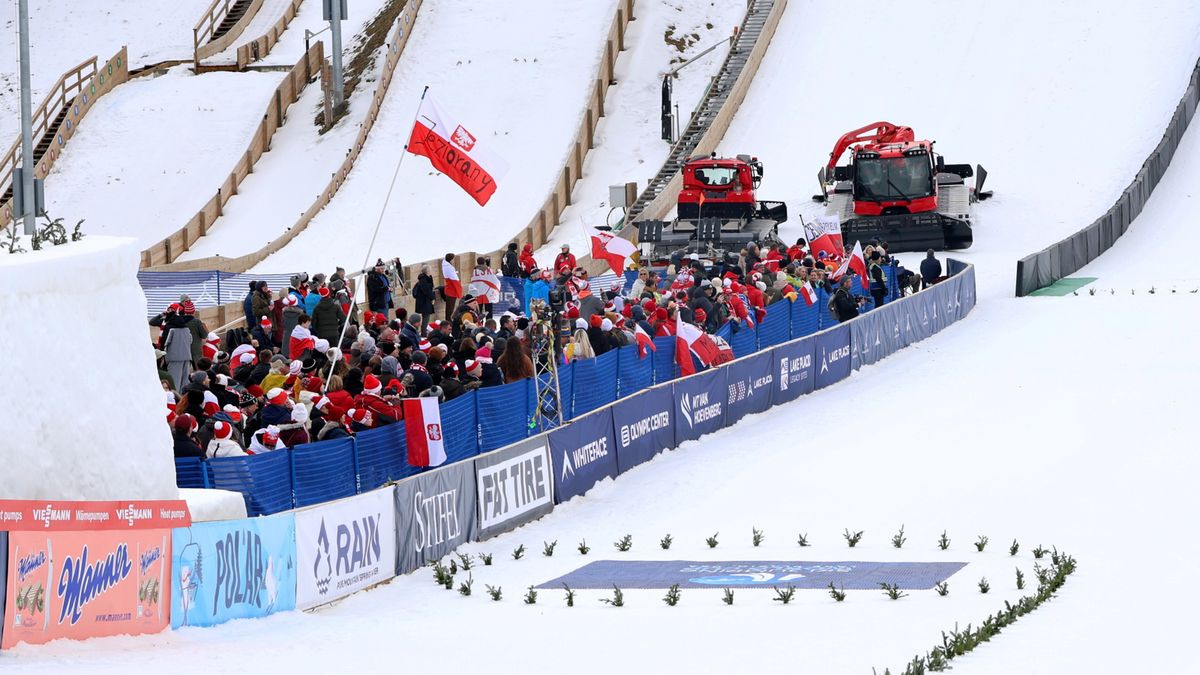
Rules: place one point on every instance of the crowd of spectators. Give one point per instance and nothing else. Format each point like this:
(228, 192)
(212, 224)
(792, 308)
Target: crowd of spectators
(309, 365)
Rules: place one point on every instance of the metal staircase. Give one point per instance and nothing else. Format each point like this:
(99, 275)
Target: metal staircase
(710, 105)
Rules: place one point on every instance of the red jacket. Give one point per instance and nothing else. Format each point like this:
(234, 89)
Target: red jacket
(525, 260)
(796, 253)
(564, 259)
(339, 402)
(379, 407)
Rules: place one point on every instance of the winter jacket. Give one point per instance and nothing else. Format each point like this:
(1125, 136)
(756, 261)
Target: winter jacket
(408, 331)
(310, 302)
(598, 340)
(526, 261)
(423, 294)
(199, 333)
(291, 316)
(536, 290)
(332, 431)
(382, 412)
(276, 414)
(218, 447)
(420, 380)
(265, 341)
(260, 303)
(248, 306)
(378, 292)
(186, 447)
(509, 264)
(339, 402)
(590, 306)
(491, 376)
(179, 345)
(931, 269)
(327, 318)
(564, 260)
(257, 447)
(847, 308)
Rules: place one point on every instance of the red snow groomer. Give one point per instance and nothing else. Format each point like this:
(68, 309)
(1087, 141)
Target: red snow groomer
(899, 190)
(717, 211)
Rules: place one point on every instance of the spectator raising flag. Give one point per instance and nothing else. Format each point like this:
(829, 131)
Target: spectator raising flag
(423, 431)
(455, 151)
(691, 341)
(825, 234)
(611, 249)
(856, 263)
(644, 341)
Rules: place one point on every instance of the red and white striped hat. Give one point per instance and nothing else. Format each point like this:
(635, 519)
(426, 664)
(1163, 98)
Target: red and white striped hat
(222, 430)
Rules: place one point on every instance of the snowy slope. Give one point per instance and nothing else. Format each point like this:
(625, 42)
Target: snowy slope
(154, 151)
(522, 87)
(264, 19)
(64, 34)
(628, 145)
(1030, 90)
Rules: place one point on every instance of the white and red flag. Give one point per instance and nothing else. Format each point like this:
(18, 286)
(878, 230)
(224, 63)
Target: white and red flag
(809, 293)
(423, 431)
(690, 340)
(450, 277)
(485, 284)
(825, 234)
(857, 263)
(455, 151)
(610, 248)
(644, 341)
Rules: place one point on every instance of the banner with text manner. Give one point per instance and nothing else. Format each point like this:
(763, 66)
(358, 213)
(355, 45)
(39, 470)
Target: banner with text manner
(86, 584)
(583, 453)
(642, 426)
(514, 486)
(700, 403)
(344, 546)
(435, 513)
(233, 569)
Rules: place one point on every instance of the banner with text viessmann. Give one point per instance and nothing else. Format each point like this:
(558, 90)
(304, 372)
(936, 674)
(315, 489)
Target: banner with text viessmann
(583, 453)
(514, 486)
(642, 426)
(435, 513)
(344, 546)
(700, 404)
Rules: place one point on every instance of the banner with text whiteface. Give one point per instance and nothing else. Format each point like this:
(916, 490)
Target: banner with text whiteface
(344, 546)
(514, 485)
(642, 426)
(435, 513)
(583, 453)
(700, 402)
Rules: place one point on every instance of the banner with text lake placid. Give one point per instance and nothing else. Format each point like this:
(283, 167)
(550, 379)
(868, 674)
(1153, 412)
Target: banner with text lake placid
(583, 453)
(514, 486)
(832, 352)
(749, 382)
(700, 402)
(233, 569)
(642, 426)
(435, 512)
(796, 370)
(80, 585)
(344, 546)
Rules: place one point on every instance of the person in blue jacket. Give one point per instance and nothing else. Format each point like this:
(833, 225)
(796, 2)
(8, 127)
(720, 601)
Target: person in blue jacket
(537, 287)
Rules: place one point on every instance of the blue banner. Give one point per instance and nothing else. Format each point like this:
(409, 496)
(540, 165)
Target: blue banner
(876, 334)
(796, 370)
(233, 569)
(512, 296)
(833, 355)
(701, 404)
(642, 426)
(749, 382)
(583, 454)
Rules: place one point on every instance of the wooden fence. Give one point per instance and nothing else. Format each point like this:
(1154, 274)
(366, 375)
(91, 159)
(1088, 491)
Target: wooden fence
(259, 47)
(203, 44)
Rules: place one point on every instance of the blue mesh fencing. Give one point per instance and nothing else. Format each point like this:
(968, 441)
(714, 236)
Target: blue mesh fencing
(460, 428)
(633, 374)
(744, 340)
(566, 388)
(322, 472)
(265, 481)
(776, 328)
(382, 456)
(595, 382)
(190, 473)
(503, 414)
(805, 317)
(663, 359)
(824, 316)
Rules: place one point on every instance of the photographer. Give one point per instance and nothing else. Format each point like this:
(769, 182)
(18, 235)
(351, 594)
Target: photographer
(844, 304)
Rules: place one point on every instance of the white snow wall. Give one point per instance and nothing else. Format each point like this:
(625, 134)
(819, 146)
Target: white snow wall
(82, 412)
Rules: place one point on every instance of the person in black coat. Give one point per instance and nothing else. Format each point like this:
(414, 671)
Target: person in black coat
(846, 303)
(510, 265)
(248, 305)
(931, 268)
(423, 296)
(378, 288)
(183, 431)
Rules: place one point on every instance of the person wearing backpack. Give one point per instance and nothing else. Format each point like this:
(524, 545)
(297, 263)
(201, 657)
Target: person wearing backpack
(843, 304)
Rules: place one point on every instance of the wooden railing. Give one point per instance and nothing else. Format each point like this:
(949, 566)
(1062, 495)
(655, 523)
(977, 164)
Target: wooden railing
(285, 95)
(76, 92)
(203, 44)
(259, 47)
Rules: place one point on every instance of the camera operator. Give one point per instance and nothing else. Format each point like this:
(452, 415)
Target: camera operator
(845, 304)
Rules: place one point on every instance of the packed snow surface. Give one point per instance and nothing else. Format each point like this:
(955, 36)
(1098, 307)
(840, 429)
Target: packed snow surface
(65, 33)
(522, 87)
(84, 413)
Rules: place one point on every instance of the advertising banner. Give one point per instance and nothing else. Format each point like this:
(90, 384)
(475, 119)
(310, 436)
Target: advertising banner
(514, 486)
(435, 512)
(749, 382)
(832, 355)
(876, 335)
(700, 402)
(344, 546)
(583, 453)
(512, 296)
(4, 578)
(642, 426)
(915, 322)
(233, 569)
(23, 515)
(796, 370)
(80, 585)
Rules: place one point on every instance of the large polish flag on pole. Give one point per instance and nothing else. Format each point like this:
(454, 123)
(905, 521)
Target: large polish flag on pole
(455, 151)
(612, 249)
(423, 431)
(691, 340)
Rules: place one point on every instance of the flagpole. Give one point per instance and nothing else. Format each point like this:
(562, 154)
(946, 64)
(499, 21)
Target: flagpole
(374, 235)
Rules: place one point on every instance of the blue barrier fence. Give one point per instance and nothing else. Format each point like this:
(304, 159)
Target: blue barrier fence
(477, 422)
(206, 288)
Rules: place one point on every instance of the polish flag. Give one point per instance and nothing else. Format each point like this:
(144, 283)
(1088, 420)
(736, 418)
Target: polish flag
(857, 263)
(644, 341)
(423, 431)
(809, 293)
(612, 249)
(450, 276)
(485, 285)
(690, 340)
(300, 340)
(455, 151)
(825, 234)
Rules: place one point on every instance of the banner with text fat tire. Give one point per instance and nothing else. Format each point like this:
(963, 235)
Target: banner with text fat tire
(514, 486)
(435, 512)
(344, 546)
(642, 426)
(583, 453)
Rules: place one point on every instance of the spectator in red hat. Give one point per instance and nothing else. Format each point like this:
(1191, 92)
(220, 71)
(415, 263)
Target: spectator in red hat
(222, 443)
(384, 409)
(265, 440)
(327, 317)
(332, 427)
(261, 334)
(183, 432)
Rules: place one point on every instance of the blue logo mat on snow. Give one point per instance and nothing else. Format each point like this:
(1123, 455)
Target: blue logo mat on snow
(860, 575)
